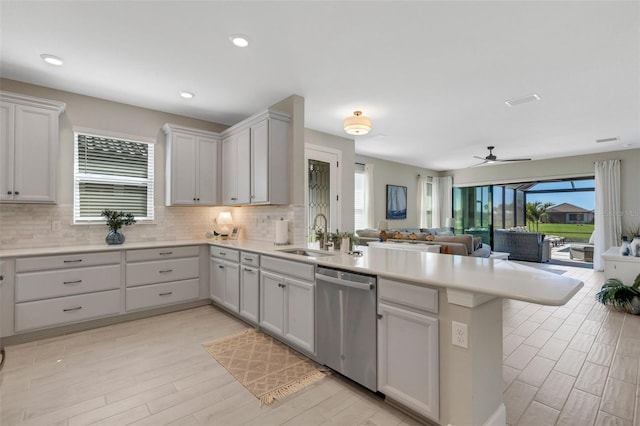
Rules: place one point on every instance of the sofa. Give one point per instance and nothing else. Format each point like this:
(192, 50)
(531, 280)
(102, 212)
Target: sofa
(527, 246)
(462, 245)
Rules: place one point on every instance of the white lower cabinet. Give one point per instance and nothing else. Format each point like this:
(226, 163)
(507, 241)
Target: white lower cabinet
(250, 293)
(162, 276)
(408, 366)
(224, 276)
(287, 304)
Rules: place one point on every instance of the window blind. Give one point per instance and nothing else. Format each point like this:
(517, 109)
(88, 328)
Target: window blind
(112, 173)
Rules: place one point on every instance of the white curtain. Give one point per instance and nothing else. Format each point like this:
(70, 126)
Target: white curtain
(608, 223)
(369, 210)
(442, 200)
(423, 202)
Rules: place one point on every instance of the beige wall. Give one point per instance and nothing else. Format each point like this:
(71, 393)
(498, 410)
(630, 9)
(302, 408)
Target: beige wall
(575, 166)
(347, 148)
(391, 173)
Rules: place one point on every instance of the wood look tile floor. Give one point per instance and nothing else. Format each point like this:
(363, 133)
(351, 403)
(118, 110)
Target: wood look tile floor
(572, 365)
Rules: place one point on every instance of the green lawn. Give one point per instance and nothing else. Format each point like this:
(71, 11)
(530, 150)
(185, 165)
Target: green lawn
(572, 232)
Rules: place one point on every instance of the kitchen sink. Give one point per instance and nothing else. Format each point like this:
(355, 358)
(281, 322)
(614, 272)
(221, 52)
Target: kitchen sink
(305, 252)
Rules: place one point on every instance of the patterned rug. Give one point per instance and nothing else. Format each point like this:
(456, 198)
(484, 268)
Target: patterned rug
(267, 368)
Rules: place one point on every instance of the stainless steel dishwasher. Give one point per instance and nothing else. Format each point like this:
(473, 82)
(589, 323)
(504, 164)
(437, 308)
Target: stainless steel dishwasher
(346, 324)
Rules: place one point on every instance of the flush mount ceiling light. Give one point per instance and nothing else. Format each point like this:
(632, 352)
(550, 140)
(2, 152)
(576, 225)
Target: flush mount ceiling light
(187, 95)
(522, 100)
(52, 59)
(357, 124)
(239, 40)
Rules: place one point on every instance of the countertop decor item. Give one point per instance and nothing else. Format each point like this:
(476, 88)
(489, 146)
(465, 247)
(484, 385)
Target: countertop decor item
(225, 219)
(115, 220)
(615, 293)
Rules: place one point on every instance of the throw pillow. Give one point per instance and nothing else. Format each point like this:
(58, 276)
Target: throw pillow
(446, 250)
(477, 243)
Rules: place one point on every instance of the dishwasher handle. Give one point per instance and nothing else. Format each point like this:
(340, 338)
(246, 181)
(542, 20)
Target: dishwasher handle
(338, 281)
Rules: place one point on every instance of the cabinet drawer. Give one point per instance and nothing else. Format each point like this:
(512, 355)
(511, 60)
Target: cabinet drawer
(66, 261)
(66, 282)
(142, 273)
(625, 271)
(63, 310)
(303, 271)
(162, 253)
(414, 296)
(149, 296)
(225, 253)
(252, 259)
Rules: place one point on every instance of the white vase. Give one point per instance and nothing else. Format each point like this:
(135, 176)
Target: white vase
(635, 246)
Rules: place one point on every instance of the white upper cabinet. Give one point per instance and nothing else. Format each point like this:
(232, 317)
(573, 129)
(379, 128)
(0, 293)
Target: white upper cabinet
(28, 148)
(191, 166)
(255, 160)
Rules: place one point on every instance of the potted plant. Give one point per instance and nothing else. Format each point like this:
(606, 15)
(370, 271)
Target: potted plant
(615, 293)
(115, 220)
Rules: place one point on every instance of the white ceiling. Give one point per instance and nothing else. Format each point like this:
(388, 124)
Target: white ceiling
(432, 75)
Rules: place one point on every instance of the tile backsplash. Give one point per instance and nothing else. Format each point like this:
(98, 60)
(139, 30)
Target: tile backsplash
(39, 225)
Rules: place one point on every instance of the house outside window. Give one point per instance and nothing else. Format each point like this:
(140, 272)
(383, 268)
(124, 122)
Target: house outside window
(112, 173)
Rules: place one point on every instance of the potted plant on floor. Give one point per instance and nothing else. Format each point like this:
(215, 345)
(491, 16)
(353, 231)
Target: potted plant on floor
(115, 220)
(615, 293)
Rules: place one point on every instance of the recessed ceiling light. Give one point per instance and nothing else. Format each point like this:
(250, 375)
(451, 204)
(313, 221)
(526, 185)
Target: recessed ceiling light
(187, 95)
(614, 139)
(51, 59)
(522, 100)
(239, 40)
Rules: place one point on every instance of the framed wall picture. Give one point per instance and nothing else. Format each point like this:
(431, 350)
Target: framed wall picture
(396, 202)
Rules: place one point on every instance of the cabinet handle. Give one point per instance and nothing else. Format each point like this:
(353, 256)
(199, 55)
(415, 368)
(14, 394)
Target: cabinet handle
(248, 259)
(77, 308)
(282, 285)
(221, 266)
(165, 253)
(197, 199)
(379, 316)
(165, 271)
(72, 282)
(169, 293)
(222, 253)
(194, 198)
(233, 198)
(17, 192)
(9, 192)
(248, 270)
(72, 261)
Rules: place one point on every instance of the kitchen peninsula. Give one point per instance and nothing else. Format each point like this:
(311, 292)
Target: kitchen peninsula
(467, 291)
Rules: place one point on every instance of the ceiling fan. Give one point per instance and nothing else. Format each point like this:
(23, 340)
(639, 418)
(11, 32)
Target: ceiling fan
(489, 159)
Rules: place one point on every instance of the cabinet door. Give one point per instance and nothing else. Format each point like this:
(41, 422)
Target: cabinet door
(249, 293)
(7, 117)
(36, 154)
(183, 175)
(409, 377)
(232, 286)
(623, 270)
(207, 166)
(272, 302)
(217, 277)
(300, 314)
(260, 163)
(229, 171)
(243, 169)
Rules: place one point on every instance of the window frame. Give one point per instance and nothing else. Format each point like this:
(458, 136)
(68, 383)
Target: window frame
(78, 177)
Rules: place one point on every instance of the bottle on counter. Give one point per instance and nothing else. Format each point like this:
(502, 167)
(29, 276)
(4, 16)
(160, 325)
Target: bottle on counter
(625, 248)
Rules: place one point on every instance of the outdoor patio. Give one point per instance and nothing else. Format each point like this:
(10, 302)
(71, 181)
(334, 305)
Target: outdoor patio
(560, 253)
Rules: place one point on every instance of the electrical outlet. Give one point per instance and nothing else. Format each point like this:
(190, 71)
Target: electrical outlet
(460, 334)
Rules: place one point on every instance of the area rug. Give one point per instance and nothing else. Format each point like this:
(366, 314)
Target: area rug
(268, 368)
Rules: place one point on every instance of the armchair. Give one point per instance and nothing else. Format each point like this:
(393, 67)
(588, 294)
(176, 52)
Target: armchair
(528, 246)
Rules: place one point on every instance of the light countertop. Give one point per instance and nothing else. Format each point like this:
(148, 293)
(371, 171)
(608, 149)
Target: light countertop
(500, 278)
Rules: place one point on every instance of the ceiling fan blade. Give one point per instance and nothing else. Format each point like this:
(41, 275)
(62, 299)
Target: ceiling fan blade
(479, 164)
(515, 159)
(480, 158)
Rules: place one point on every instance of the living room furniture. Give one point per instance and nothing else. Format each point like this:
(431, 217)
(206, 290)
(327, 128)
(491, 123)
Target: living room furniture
(527, 246)
(625, 268)
(583, 252)
(422, 246)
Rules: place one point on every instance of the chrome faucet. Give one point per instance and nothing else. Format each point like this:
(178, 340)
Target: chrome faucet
(323, 242)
